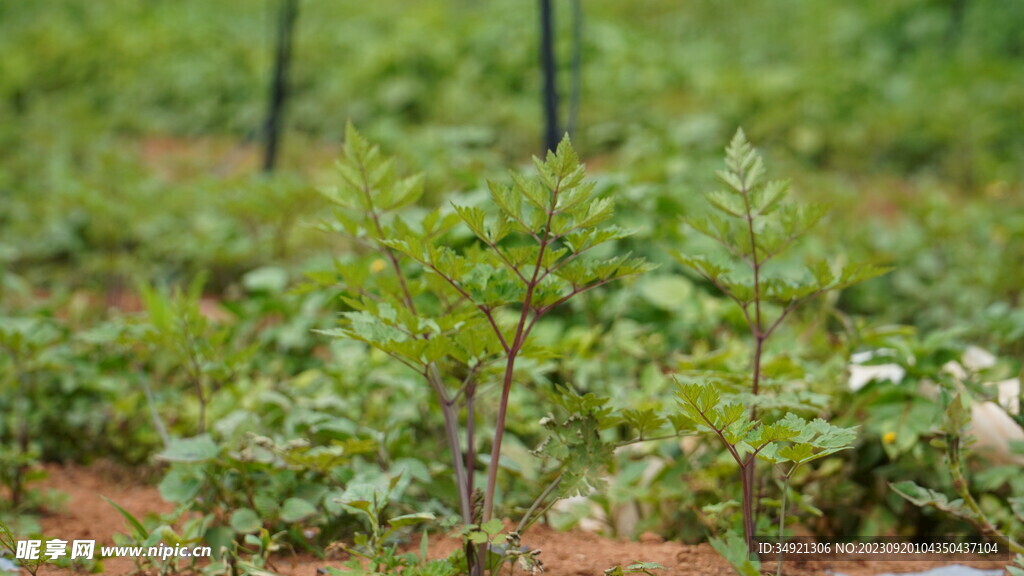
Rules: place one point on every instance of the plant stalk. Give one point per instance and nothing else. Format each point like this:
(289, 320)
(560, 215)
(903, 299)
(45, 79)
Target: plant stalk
(961, 485)
(747, 479)
(499, 433)
(452, 435)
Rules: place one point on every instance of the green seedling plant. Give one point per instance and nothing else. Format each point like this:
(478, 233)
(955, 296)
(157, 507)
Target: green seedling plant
(9, 543)
(789, 443)
(250, 556)
(284, 488)
(31, 352)
(756, 226)
(183, 342)
(952, 440)
(576, 443)
(462, 318)
(161, 530)
(376, 551)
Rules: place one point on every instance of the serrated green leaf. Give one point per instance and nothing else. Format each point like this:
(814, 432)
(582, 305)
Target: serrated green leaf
(492, 526)
(406, 192)
(768, 198)
(1017, 507)
(474, 219)
(727, 203)
(645, 422)
(701, 265)
(533, 193)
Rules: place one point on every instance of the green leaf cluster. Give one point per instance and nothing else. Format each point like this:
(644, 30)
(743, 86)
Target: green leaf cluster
(461, 315)
(574, 441)
(530, 255)
(754, 222)
(790, 439)
(378, 547)
(733, 548)
(953, 428)
(185, 345)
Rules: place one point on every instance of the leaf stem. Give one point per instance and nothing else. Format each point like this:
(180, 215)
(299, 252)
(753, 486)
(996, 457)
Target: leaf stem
(450, 422)
(525, 522)
(481, 307)
(513, 352)
(960, 483)
(365, 189)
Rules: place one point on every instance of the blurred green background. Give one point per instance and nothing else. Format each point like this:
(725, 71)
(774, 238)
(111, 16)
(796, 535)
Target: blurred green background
(130, 146)
(131, 129)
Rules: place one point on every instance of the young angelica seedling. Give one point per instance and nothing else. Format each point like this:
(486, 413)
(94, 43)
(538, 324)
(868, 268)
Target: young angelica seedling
(461, 315)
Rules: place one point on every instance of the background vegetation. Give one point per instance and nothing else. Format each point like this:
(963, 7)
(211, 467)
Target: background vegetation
(149, 271)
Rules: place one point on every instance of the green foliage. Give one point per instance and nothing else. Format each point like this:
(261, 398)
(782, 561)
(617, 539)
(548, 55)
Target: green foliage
(57, 403)
(369, 501)
(901, 421)
(378, 546)
(575, 442)
(250, 555)
(734, 548)
(790, 440)
(281, 487)
(921, 496)
(1017, 569)
(115, 144)
(195, 348)
(755, 225)
(9, 543)
(462, 318)
(954, 425)
(156, 530)
(553, 211)
(376, 551)
(26, 343)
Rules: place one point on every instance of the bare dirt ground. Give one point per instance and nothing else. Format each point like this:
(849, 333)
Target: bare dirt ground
(88, 516)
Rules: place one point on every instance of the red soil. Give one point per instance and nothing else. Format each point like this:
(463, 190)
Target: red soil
(88, 516)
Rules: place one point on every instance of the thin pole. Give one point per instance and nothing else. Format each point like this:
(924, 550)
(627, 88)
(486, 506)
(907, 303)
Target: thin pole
(576, 80)
(279, 83)
(547, 65)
